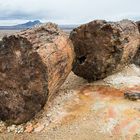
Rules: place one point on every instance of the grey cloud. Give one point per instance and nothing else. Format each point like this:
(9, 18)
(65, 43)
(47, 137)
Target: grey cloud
(22, 15)
(69, 11)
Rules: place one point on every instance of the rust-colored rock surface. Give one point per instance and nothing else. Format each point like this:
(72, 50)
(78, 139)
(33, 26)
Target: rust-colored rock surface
(103, 48)
(33, 65)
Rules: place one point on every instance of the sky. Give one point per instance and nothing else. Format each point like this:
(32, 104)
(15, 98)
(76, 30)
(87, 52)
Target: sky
(67, 11)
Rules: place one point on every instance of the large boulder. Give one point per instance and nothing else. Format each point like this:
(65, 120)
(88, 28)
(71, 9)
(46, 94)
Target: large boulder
(103, 48)
(33, 65)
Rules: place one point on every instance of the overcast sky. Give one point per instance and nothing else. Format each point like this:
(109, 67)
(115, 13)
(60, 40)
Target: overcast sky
(67, 11)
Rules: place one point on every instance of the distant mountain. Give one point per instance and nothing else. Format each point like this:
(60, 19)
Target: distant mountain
(31, 24)
(26, 25)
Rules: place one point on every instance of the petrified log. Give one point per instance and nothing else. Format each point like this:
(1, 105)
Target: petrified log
(103, 48)
(33, 65)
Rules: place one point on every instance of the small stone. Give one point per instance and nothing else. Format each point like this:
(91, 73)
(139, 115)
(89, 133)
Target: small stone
(2, 129)
(19, 129)
(84, 119)
(29, 128)
(11, 128)
(49, 114)
(39, 128)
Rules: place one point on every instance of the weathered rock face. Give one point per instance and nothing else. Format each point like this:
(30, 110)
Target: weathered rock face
(103, 48)
(33, 65)
(136, 59)
(138, 23)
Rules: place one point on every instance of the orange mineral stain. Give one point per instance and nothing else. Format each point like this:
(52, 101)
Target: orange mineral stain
(85, 98)
(106, 103)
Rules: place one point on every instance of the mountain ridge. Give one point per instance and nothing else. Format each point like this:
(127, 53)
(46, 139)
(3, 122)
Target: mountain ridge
(26, 25)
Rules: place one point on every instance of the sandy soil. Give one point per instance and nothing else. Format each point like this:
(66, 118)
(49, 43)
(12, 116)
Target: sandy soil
(86, 111)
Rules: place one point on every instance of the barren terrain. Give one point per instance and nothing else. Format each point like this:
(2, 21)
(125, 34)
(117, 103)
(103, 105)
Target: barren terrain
(6, 32)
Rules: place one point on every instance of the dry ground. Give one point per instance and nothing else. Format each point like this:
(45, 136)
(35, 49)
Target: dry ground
(6, 32)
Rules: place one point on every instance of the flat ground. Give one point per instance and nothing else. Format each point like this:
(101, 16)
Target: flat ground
(86, 111)
(6, 32)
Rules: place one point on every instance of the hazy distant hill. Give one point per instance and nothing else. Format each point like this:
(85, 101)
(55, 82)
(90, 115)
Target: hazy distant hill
(21, 26)
(30, 24)
(68, 28)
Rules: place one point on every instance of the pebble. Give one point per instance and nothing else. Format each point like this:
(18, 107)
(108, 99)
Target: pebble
(48, 115)
(2, 127)
(11, 128)
(39, 128)
(29, 128)
(19, 129)
(84, 119)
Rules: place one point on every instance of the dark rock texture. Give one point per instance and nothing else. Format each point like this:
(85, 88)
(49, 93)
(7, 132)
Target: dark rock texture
(132, 95)
(136, 59)
(33, 65)
(103, 48)
(138, 23)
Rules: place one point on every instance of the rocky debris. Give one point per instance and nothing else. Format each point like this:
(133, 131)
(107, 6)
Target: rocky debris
(11, 128)
(29, 128)
(2, 127)
(19, 129)
(132, 95)
(128, 77)
(33, 65)
(16, 129)
(39, 128)
(103, 48)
